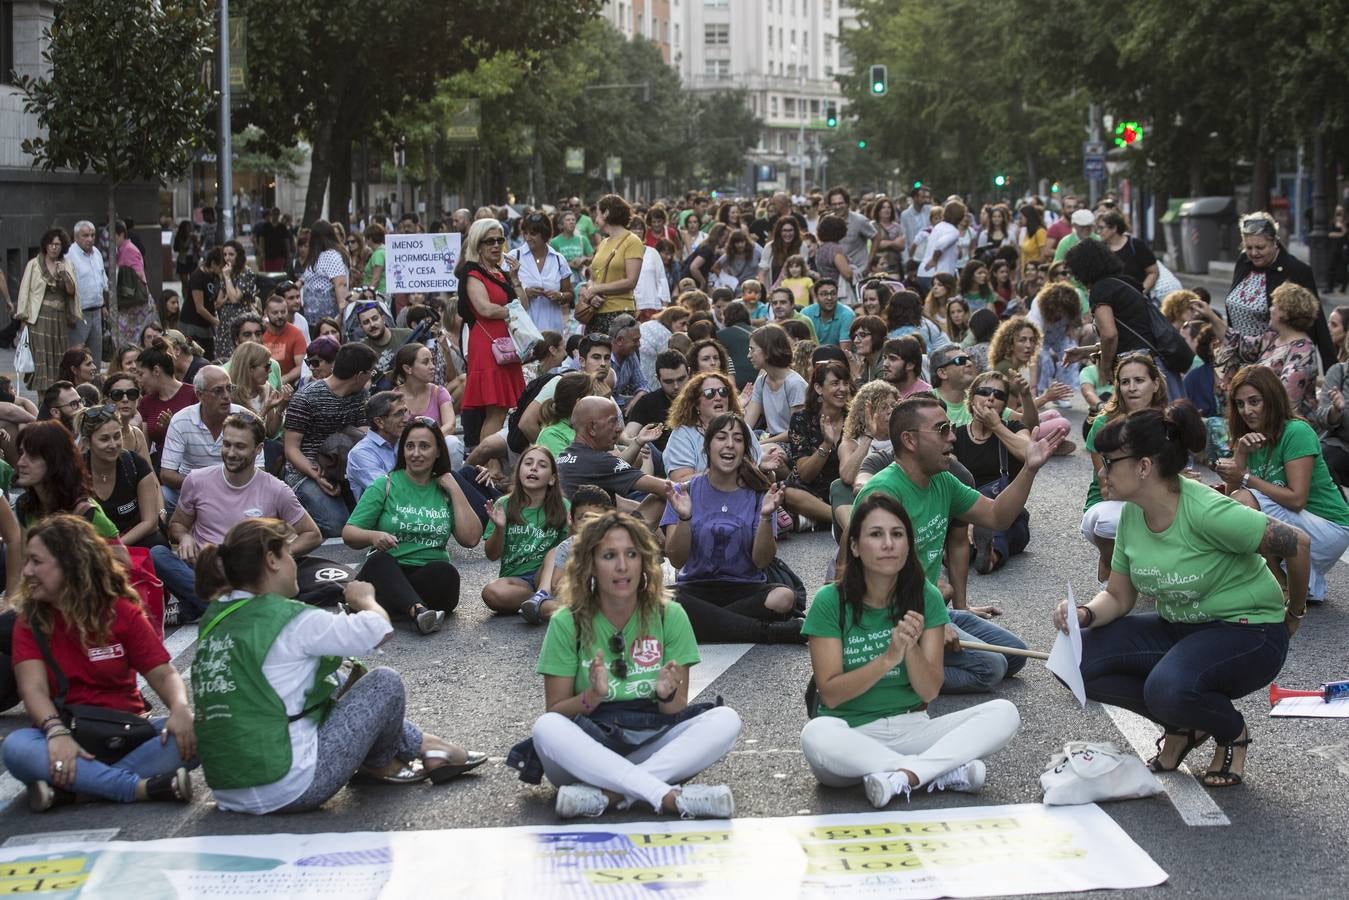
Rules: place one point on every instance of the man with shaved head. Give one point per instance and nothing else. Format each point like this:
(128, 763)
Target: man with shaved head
(589, 459)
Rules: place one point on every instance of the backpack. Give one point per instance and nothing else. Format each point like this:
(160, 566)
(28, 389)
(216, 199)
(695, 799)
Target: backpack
(515, 438)
(1165, 341)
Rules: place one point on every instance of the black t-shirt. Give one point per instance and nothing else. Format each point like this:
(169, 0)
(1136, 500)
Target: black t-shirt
(123, 505)
(272, 236)
(983, 459)
(653, 406)
(579, 464)
(208, 284)
(1136, 256)
(1130, 307)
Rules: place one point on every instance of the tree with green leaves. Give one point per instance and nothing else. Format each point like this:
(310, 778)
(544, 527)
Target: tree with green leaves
(124, 98)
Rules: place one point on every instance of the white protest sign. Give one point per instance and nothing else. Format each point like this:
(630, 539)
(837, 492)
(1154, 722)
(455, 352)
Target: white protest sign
(1065, 657)
(419, 263)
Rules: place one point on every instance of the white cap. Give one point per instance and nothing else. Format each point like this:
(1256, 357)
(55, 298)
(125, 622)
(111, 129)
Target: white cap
(1083, 217)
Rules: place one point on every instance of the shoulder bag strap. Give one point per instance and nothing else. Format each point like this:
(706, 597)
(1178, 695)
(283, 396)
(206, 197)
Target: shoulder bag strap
(61, 684)
(1002, 460)
(201, 634)
(1147, 343)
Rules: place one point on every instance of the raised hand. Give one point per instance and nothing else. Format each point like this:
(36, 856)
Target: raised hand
(681, 501)
(1042, 448)
(832, 429)
(496, 511)
(599, 675)
(667, 682)
(772, 498)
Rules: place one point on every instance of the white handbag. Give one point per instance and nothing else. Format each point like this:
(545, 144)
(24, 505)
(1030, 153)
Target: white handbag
(23, 354)
(1086, 772)
(523, 330)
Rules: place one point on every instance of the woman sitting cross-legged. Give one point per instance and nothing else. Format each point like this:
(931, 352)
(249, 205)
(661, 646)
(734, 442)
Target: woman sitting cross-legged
(406, 518)
(720, 530)
(876, 647)
(522, 527)
(78, 612)
(992, 447)
(618, 654)
(275, 735)
(1221, 627)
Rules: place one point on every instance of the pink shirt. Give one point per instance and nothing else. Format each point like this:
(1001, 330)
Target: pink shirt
(128, 255)
(437, 398)
(216, 505)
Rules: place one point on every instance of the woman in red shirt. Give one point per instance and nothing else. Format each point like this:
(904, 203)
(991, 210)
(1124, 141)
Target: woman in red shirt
(484, 291)
(76, 599)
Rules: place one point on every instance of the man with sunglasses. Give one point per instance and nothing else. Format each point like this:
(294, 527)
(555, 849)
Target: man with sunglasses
(920, 479)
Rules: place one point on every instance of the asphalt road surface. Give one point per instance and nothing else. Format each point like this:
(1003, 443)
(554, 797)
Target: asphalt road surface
(1282, 833)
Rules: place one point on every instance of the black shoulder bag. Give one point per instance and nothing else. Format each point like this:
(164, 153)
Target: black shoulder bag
(109, 734)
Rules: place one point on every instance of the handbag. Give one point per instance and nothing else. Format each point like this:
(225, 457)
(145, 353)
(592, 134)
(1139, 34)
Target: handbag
(23, 354)
(109, 734)
(503, 349)
(145, 581)
(1084, 772)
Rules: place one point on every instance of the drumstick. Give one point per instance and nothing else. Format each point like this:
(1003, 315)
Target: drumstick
(1010, 651)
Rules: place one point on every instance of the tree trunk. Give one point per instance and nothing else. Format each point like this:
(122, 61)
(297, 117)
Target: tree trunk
(1260, 167)
(339, 190)
(320, 166)
(110, 320)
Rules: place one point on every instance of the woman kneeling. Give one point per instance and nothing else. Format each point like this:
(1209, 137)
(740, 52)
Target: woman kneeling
(617, 658)
(876, 647)
(1221, 627)
(274, 737)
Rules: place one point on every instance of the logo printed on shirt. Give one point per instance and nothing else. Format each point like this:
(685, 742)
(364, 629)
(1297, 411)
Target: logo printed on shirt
(646, 651)
(103, 654)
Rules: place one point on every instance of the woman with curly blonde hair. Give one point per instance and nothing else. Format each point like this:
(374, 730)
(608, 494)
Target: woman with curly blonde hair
(619, 654)
(74, 602)
(703, 397)
(1015, 350)
(866, 428)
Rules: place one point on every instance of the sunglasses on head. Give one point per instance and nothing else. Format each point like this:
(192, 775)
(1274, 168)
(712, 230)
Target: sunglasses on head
(619, 667)
(125, 394)
(710, 392)
(97, 415)
(991, 392)
(1255, 225)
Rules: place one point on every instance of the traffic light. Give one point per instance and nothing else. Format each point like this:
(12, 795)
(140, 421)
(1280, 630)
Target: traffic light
(1054, 188)
(1000, 180)
(917, 185)
(861, 145)
(1127, 134)
(880, 77)
(831, 116)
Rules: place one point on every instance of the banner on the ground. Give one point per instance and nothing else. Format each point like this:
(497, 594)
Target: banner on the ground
(907, 853)
(419, 263)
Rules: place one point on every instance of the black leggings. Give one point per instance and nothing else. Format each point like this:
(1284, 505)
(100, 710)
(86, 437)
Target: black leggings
(727, 612)
(399, 588)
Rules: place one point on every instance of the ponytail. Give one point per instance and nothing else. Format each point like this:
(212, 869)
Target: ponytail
(240, 560)
(211, 581)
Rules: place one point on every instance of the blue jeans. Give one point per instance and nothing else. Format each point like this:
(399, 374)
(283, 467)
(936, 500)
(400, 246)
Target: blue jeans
(329, 513)
(478, 495)
(979, 671)
(1181, 676)
(89, 332)
(25, 753)
(180, 580)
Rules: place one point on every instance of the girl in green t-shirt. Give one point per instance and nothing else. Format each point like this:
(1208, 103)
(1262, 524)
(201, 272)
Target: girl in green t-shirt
(876, 650)
(620, 654)
(521, 528)
(1277, 467)
(1222, 624)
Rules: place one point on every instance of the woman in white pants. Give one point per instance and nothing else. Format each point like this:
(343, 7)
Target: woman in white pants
(617, 657)
(876, 646)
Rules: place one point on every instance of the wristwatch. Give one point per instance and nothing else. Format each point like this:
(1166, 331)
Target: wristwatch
(1246, 480)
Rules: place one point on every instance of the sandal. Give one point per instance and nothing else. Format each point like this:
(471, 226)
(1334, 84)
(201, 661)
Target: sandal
(1224, 776)
(448, 771)
(407, 773)
(1192, 740)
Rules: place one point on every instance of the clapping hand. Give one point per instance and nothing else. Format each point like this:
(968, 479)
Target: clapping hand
(667, 682)
(905, 634)
(650, 433)
(681, 501)
(1336, 400)
(1042, 448)
(772, 498)
(832, 429)
(1058, 391)
(496, 511)
(599, 675)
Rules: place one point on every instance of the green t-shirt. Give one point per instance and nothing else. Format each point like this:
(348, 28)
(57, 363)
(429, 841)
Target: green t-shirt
(526, 544)
(1205, 566)
(649, 645)
(958, 413)
(377, 259)
(1068, 242)
(1094, 489)
(930, 510)
(570, 247)
(420, 516)
(96, 517)
(585, 227)
(556, 437)
(1299, 440)
(6, 476)
(1091, 375)
(864, 641)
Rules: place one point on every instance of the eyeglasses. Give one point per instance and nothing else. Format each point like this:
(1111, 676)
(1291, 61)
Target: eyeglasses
(991, 392)
(710, 392)
(944, 429)
(73, 405)
(1107, 462)
(492, 241)
(314, 362)
(955, 361)
(125, 394)
(220, 390)
(619, 667)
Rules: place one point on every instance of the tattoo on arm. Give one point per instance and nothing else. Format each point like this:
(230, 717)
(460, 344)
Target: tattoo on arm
(1280, 540)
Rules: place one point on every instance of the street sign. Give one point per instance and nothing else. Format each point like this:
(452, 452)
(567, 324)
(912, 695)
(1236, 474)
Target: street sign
(576, 160)
(464, 121)
(238, 37)
(1093, 160)
(613, 167)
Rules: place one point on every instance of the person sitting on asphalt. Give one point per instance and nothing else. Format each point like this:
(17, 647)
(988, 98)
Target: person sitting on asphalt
(876, 645)
(75, 606)
(596, 356)
(902, 365)
(557, 432)
(1222, 621)
(704, 397)
(672, 370)
(406, 519)
(278, 738)
(522, 527)
(992, 447)
(214, 498)
(193, 438)
(619, 653)
(721, 533)
(813, 439)
(629, 383)
(588, 500)
(375, 454)
(122, 481)
(589, 460)
(376, 330)
(320, 409)
(921, 480)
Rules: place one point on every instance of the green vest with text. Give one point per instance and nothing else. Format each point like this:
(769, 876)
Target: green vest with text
(243, 731)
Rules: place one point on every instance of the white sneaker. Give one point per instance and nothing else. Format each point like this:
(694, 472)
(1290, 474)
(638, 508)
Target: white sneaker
(1064, 404)
(705, 801)
(576, 800)
(882, 787)
(41, 796)
(968, 778)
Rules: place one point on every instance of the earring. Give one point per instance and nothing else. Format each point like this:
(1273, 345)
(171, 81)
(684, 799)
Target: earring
(641, 585)
(593, 584)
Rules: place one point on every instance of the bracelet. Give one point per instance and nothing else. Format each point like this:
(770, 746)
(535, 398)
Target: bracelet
(54, 717)
(585, 704)
(661, 699)
(1288, 610)
(1091, 615)
(59, 732)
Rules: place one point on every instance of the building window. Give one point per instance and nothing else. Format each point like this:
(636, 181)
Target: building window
(773, 106)
(676, 34)
(789, 107)
(717, 68)
(716, 4)
(716, 34)
(814, 109)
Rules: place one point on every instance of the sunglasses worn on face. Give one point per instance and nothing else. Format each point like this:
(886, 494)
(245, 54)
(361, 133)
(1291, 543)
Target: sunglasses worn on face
(1107, 462)
(991, 392)
(955, 361)
(491, 242)
(710, 392)
(124, 394)
(619, 667)
(944, 429)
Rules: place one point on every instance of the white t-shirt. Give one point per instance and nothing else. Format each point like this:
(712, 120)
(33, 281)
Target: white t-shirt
(942, 239)
(777, 405)
(289, 669)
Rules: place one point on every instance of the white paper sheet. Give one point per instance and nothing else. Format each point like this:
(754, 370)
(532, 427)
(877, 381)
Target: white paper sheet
(1312, 707)
(1065, 657)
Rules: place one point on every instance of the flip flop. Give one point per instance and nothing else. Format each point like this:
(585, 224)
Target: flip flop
(448, 771)
(409, 773)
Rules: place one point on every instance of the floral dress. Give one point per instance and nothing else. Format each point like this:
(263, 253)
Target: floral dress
(804, 437)
(228, 313)
(1296, 363)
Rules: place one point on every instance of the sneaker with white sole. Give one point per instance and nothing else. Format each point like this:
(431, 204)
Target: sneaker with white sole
(705, 801)
(576, 800)
(41, 796)
(968, 778)
(882, 787)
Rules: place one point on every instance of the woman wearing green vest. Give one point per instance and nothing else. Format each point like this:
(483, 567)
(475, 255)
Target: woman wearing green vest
(876, 648)
(273, 736)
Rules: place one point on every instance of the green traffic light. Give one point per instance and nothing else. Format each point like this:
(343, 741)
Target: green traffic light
(861, 145)
(878, 87)
(917, 184)
(1000, 180)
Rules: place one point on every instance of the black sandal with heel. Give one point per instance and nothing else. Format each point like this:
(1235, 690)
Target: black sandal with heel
(1193, 739)
(1224, 776)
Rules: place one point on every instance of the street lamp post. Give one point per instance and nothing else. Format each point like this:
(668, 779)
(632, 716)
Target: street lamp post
(801, 111)
(225, 158)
